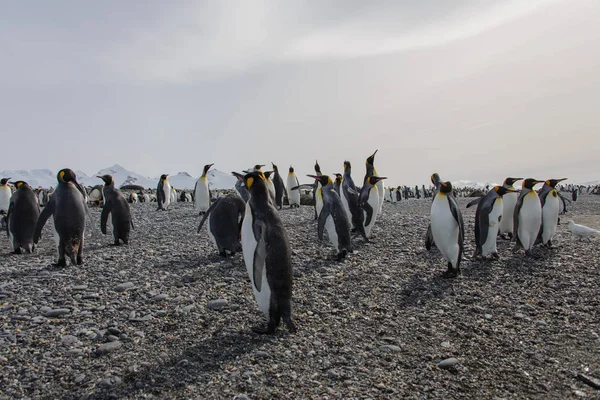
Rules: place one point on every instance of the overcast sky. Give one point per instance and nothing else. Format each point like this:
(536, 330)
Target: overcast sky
(475, 90)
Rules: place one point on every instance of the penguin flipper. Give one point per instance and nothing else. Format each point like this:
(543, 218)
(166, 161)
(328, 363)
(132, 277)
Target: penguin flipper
(476, 201)
(44, 215)
(428, 238)
(516, 214)
(104, 216)
(369, 210)
(260, 256)
(207, 213)
(321, 223)
(10, 208)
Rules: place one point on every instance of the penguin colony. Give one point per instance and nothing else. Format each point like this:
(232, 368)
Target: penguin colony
(249, 222)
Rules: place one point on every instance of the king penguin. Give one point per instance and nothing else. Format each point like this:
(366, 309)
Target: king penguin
(5, 195)
(527, 218)
(279, 187)
(293, 194)
(23, 213)
(202, 193)
(240, 187)
(67, 207)
(333, 218)
(267, 256)
(550, 203)
(318, 201)
(488, 217)
(371, 170)
(224, 224)
(447, 228)
(350, 195)
(270, 186)
(509, 201)
(337, 184)
(369, 202)
(116, 205)
(163, 193)
(435, 180)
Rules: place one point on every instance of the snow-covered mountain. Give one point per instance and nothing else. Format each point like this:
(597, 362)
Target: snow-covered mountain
(121, 176)
(35, 178)
(472, 184)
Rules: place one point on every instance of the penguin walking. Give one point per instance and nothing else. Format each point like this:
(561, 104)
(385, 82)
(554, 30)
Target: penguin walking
(317, 200)
(267, 256)
(240, 187)
(279, 187)
(527, 218)
(163, 193)
(23, 213)
(447, 228)
(509, 201)
(550, 202)
(350, 195)
(435, 180)
(372, 171)
(116, 205)
(369, 202)
(333, 218)
(489, 215)
(293, 194)
(5, 195)
(67, 207)
(225, 217)
(337, 185)
(202, 192)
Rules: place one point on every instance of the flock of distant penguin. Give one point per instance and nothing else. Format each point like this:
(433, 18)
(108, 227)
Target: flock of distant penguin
(249, 221)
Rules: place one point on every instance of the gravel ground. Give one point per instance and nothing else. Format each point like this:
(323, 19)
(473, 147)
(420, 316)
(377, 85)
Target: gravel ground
(165, 317)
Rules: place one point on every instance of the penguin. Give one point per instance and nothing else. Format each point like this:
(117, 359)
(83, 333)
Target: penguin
(173, 195)
(435, 180)
(575, 194)
(183, 197)
(240, 187)
(279, 187)
(293, 194)
(115, 204)
(488, 216)
(270, 187)
(527, 218)
(398, 194)
(318, 201)
(550, 202)
(369, 202)
(5, 195)
(267, 256)
(447, 228)
(145, 197)
(202, 192)
(22, 216)
(224, 224)
(163, 193)
(509, 201)
(133, 197)
(350, 195)
(371, 170)
(337, 185)
(188, 197)
(95, 196)
(67, 207)
(333, 218)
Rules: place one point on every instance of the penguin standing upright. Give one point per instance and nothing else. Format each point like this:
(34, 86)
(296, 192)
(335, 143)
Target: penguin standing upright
(447, 227)
(163, 193)
(527, 218)
(5, 195)
(435, 180)
(279, 187)
(575, 194)
(333, 218)
(371, 170)
(369, 202)
(173, 195)
(509, 201)
(240, 187)
(337, 186)
(270, 187)
(550, 203)
(67, 207)
(293, 194)
(115, 204)
(318, 201)
(488, 217)
(225, 217)
(202, 192)
(267, 256)
(23, 213)
(350, 196)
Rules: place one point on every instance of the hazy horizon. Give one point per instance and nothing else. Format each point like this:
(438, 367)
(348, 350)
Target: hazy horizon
(469, 89)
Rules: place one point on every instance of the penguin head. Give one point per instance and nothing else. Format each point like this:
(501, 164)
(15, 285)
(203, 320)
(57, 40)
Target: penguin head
(529, 183)
(4, 181)
(255, 181)
(206, 168)
(239, 176)
(511, 181)
(553, 182)
(435, 178)
(108, 179)
(258, 167)
(317, 167)
(274, 166)
(338, 178)
(446, 187)
(267, 174)
(324, 180)
(67, 175)
(501, 190)
(163, 177)
(291, 169)
(347, 165)
(374, 179)
(18, 184)
(371, 158)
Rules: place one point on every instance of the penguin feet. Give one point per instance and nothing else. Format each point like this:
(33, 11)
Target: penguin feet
(264, 330)
(451, 272)
(60, 263)
(289, 323)
(79, 260)
(341, 255)
(223, 253)
(495, 256)
(18, 250)
(531, 254)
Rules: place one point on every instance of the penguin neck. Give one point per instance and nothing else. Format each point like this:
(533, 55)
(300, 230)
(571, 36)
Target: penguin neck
(259, 194)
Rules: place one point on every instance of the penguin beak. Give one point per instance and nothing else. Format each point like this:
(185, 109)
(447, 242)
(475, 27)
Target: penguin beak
(313, 176)
(563, 179)
(380, 178)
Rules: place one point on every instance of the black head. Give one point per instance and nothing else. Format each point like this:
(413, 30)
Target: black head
(435, 178)
(446, 187)
(19, 184)
(324, 180)
(371, 158)
(258, 167)
(553, 182)
(163, 177)
(206, 168)
(66, 175)
(317, 167)
(238, 175)
(511, 181)
(529, 183)
(501, 190)
(4, 181)
(347, 165)
(338, 177)
(274, 166)
(374, 179)
(291, 169)
(255, 181)
(267, 174)
(108, 179)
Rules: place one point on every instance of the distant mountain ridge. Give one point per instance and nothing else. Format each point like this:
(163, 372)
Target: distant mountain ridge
(47, 178)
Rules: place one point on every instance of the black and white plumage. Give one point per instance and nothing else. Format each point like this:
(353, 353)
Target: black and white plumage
(163, 193)
(116, 205)
(447, 228)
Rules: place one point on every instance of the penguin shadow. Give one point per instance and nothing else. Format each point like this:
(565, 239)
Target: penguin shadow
(417, 291)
